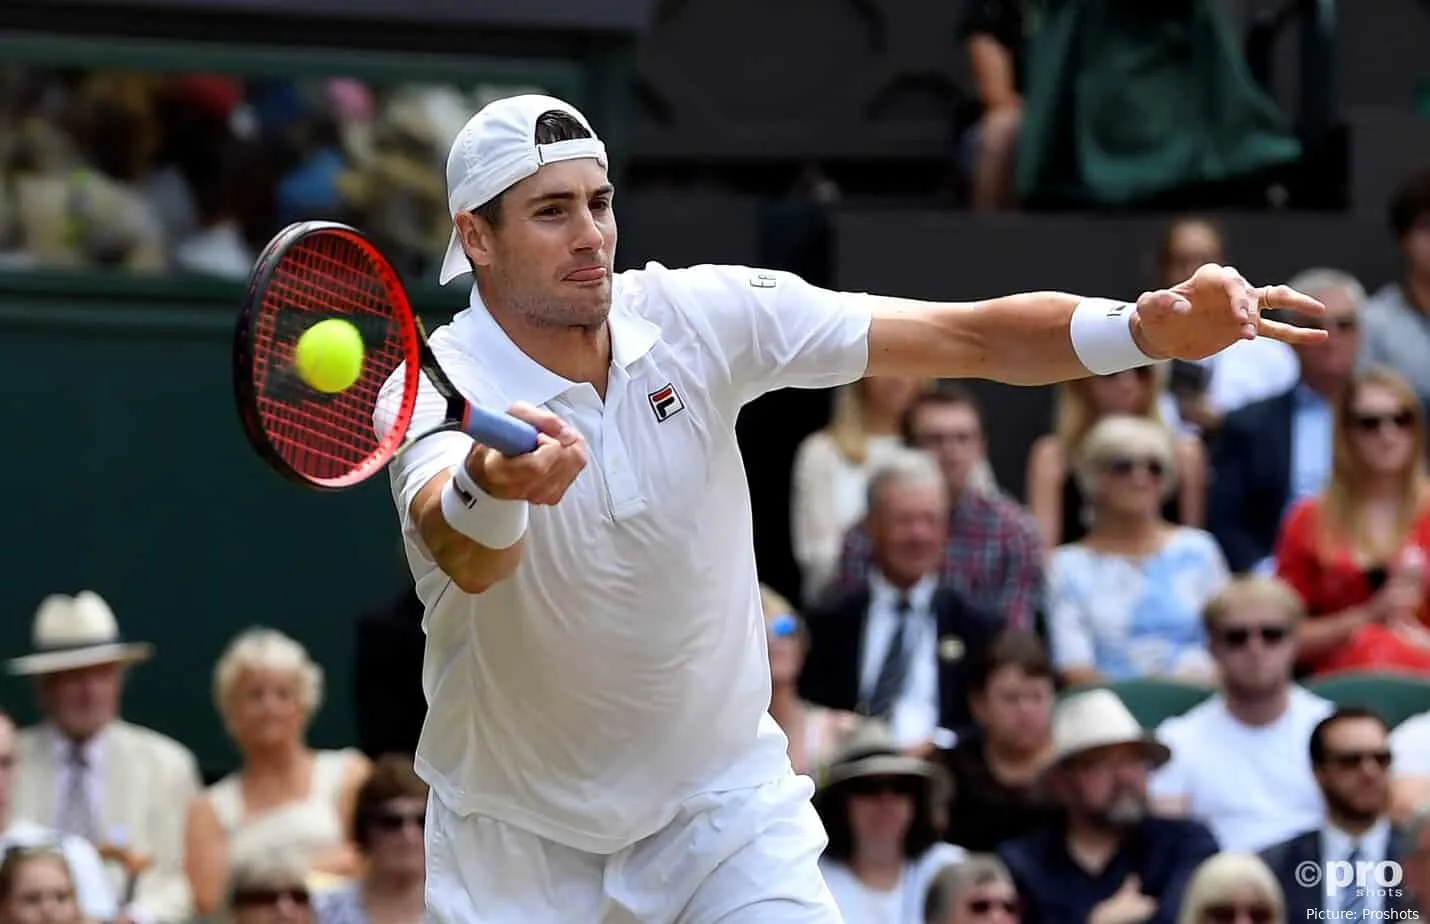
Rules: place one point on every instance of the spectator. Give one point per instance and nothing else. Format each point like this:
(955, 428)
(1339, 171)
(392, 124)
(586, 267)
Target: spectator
(993, 556)
(1355, 552)
(93, 889)
(1417, 861)
(390, 811)
(814, 732)
(1239, 762)
(1410, 778)
(69, 769)
(1233, 888)
(994, 771)
(36, 888)
(1350, 752)
(286, 797)
(897, 647)
(977, 890)
(993, 33)
(1054, 495)
(1274, 452)
(1107, 860)
(1396, 334)
(1125, 601)
(831, 471)
(270, 889)
(882, 812)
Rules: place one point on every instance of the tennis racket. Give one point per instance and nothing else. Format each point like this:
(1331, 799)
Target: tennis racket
(310, 272)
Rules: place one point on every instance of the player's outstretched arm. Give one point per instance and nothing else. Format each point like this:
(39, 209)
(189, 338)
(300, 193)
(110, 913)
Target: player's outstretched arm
(473, 516)
(1038, 338)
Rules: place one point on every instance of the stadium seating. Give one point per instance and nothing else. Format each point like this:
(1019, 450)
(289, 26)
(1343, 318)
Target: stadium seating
(1152, 700)
(1395, 696)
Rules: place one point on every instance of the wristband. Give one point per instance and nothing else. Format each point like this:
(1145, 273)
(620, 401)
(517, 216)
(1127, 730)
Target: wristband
(486, 520)
(1101, 331)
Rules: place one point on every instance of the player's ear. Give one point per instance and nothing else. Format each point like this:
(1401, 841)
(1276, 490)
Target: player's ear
(476, 235)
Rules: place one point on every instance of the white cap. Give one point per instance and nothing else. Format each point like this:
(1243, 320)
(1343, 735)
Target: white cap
(497, 149)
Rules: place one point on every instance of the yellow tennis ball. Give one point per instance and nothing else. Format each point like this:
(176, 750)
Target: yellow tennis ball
(329, 355)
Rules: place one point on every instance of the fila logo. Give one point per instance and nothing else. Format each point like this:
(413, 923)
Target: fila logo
(666, 403)
(762, 281)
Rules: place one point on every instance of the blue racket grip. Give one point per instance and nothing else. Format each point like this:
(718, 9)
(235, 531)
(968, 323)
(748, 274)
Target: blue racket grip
(507, 435)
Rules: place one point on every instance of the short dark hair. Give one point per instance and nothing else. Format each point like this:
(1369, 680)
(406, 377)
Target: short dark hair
(1011, 648)
(392, 777)
(940, 394)
(1342, 714)
(1410, 203)
(551, 126)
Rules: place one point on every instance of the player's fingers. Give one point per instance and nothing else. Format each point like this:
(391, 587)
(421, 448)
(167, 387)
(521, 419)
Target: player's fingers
(1289, 333)
(1162, 301)
(544, 421)
(1288, 298)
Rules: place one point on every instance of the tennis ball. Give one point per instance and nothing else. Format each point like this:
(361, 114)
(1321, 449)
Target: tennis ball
(329, 356)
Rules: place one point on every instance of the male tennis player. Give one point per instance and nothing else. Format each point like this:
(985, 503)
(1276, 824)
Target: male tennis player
(597, 739)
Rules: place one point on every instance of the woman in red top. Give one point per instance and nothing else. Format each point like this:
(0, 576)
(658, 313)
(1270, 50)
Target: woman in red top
(1357, 554)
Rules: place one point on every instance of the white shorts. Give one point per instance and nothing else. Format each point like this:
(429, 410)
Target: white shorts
(738, 857)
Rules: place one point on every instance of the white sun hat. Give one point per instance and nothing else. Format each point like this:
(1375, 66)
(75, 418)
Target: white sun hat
(74, 632)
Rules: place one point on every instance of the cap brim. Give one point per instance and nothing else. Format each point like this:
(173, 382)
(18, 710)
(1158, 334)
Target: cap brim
(52, 662)
(455, 263)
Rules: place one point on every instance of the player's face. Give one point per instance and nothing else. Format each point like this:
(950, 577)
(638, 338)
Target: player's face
(266, 708)
(81, 702)
(550, 258)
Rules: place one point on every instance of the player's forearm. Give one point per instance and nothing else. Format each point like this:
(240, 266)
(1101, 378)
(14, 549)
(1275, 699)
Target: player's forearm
(473, 567)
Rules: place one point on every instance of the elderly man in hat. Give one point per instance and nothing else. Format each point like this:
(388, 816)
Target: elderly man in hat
(1106, 861)
(86, 772)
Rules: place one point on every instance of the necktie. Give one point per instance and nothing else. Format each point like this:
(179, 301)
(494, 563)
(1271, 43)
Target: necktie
(77, 813)
(890, 682)
(1353, 901)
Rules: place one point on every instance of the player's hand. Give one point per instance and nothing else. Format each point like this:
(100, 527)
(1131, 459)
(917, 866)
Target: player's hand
(1214, 309)
(539, 477)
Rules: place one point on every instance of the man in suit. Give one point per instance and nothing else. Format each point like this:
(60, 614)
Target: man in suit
(896, 647)
(1272, 453)
(85, 772)
(1350, 756)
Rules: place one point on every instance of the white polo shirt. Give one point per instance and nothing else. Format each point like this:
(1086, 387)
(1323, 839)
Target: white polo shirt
(622, 668)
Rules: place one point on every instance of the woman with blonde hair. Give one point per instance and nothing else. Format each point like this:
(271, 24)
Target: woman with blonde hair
(1054, 495)
(1357, 552)
(1125, 601)
(286, 796)
(832, 467)
(1233, 888)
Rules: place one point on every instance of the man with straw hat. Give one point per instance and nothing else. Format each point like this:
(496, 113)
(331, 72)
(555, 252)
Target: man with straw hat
(1106, 861)
(86, 772)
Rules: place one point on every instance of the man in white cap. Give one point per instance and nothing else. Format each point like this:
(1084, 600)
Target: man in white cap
(597, 739)
(87, 773)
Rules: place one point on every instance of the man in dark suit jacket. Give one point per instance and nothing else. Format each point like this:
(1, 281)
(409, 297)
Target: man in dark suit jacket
(1350, 755)
(896, 647)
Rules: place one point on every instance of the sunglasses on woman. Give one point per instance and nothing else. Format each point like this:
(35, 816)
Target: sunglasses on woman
(982, 906)
(1370, 423)
(260, 897)
(1239, 914)
(1122, 466)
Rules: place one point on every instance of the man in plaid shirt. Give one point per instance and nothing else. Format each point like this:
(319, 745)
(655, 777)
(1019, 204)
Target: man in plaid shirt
(994, 558)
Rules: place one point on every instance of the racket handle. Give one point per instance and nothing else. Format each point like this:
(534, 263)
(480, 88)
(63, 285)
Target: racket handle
(505, 434)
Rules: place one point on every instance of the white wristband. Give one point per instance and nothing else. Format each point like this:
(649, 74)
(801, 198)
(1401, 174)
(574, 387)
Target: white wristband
(489, 521)
(1101, 331)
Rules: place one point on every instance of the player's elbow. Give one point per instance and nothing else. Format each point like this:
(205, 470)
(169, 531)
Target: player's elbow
(470, 581)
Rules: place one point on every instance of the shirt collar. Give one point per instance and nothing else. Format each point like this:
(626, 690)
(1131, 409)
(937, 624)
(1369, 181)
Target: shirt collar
(522, 378)
(93, 749)
(1306, 398)
(886, 594)
(1336, 844)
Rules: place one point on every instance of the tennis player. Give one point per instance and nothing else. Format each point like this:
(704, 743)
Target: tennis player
(597, 738)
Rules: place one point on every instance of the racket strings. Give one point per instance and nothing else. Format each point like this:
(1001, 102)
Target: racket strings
(326, 437)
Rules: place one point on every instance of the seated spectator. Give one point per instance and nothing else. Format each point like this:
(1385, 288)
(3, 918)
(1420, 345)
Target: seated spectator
(993, 556)
(1277, 451)
(882, 812)
(36, 887)
(1395, 331)
(831, 471)
(1350, 752)
(1356, 551)
(93, 889)
(1055, 496)
(391, 809)
(70, 768)
(1239, 761)
(1106, 859)
(994, 770)
(270, 889)
(896, 648)
(1410, 776)
(1125, 601)
(976, 890)
(1233, 888)
(286, 796)
(814, 732)
(994, 32)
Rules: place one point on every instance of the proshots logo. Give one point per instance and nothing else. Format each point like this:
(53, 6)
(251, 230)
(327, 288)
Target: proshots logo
(1350, 887)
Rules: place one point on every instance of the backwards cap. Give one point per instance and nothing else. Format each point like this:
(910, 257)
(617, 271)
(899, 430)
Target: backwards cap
(497, 149)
